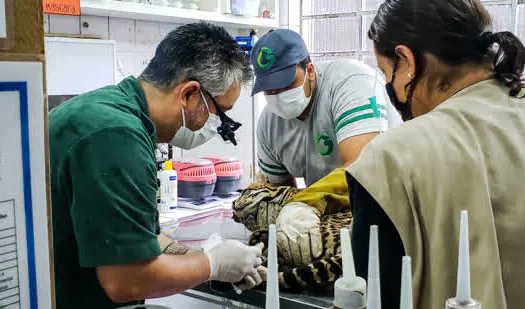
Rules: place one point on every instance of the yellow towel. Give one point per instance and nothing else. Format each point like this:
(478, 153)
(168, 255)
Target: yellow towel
(329, 195)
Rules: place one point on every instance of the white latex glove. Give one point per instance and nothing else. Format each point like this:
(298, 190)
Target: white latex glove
(253, 280)
(231, 261)
(299, 238)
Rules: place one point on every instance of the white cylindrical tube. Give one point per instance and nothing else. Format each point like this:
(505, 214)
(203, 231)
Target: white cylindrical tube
(374, 285)
(348, 257)
(272, 277)
(463, 299)
(406, 284)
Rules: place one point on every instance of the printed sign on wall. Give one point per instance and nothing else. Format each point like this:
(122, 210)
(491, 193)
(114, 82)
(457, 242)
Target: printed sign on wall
(25, 279)
(62, 7)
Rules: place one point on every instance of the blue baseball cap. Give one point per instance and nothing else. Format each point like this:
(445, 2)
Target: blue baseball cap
(275, 57)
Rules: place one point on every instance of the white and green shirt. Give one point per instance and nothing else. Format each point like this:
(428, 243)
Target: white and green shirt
(346, 104)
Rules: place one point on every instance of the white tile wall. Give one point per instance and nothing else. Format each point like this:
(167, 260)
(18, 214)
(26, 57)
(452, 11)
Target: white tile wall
(64, 24)
(136, 44)
(141, 61)
(123, 32)
(320, 7)
(95, 26)
(326, 36)
(339, 34)
(366, 43)
(501, 17)
(136, 39)
(147, 36)
(521, 22)
(125, 65)
(290, 14)
(46, 23)
(317, 59)
(165, 28)
(370, 60)
(296, 28)
(370, 5)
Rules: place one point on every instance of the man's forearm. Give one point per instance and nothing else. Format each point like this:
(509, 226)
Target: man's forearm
(187, 271)
(350, 148)
(283, 182)
(166, 275)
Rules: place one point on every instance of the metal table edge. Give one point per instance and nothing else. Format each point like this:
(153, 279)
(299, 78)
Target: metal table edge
(257, 298)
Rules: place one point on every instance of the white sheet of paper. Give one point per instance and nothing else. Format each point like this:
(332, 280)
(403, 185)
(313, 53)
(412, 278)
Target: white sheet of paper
(24, 267)
(3, 22)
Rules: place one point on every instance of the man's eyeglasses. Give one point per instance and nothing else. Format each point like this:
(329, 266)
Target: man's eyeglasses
(228, 126)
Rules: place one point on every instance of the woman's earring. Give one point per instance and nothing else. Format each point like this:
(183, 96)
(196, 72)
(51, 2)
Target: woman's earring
(410, 75)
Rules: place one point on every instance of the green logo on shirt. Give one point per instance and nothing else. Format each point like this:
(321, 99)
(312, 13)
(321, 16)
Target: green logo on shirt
(265, 59)
(324, 144)
(375, 108)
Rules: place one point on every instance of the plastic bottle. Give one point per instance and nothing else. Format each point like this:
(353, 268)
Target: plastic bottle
(168, 188)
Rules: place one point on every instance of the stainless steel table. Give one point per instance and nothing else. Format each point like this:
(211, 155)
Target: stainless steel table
(249, 299)
(257, 299)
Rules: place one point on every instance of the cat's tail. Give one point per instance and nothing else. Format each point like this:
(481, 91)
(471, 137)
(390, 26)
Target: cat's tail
(318, 275)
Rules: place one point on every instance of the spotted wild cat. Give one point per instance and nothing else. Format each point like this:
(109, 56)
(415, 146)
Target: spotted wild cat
(259, 206)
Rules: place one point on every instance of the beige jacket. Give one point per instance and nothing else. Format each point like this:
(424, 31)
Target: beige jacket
(468, 153)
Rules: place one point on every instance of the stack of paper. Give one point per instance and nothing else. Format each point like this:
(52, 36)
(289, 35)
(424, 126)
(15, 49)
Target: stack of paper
(207, 203)
(201, 219)
(188, 217)
(195, 211)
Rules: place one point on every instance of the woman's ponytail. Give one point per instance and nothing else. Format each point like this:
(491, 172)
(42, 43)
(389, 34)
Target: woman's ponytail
(509, 60)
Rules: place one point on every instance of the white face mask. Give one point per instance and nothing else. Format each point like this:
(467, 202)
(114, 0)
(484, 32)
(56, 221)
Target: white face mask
(289, 104)
(188, 139)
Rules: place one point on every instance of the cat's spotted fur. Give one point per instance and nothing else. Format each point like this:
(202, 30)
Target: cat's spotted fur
(258, 207)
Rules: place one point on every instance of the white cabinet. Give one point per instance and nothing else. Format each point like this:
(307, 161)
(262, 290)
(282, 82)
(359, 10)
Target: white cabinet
(76, 66)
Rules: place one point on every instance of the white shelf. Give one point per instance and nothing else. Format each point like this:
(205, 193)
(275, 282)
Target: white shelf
(140, 11)
(496, 2)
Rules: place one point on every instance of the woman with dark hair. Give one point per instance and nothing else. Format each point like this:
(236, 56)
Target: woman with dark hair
(460, 90)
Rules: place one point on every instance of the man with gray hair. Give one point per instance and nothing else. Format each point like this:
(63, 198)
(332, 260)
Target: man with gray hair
(107, 248)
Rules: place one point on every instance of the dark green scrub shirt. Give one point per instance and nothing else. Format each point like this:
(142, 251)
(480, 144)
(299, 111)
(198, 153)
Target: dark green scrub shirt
(103, 180)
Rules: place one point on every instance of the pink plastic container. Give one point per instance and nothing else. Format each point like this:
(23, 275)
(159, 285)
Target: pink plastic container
(197, 178)
(229, 175)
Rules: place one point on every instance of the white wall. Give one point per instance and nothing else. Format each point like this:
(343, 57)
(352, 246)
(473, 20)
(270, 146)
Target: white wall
(290, 14)
(336, 33)
(136, 43)
(521, 22)
(136, 39)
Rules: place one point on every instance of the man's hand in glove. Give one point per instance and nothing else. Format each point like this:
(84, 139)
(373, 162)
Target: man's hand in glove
(251, 281)
(231, 261)
(299, 238)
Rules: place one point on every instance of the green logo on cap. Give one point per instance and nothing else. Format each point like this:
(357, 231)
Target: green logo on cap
(325, 145)
(265, 59)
